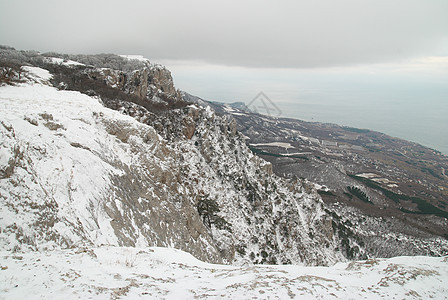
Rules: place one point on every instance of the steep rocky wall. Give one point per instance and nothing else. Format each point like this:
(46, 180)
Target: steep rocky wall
(271, 220)
(75, 173)
(258, 217)
(153, 82)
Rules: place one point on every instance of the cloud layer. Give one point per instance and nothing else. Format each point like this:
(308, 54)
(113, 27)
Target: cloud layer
(279, 34)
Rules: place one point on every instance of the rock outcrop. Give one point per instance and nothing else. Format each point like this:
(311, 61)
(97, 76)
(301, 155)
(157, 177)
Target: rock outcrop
(153, 82)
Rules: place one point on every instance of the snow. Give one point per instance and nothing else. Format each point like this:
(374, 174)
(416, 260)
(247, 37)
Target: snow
(64, 162)
(56, 145)
(75, 158)
(193, 106)
(135, 57)
(232, 111)
(275, 144)
(296, 153)
(321, 187)
(38, 74)
(228, 108)
(167, 273)
(67, 148)
(5, 156)
(238, 206)
(368, 175)
(64, 62)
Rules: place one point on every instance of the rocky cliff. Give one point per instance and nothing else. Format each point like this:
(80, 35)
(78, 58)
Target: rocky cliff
(74, 172)
(152, 82)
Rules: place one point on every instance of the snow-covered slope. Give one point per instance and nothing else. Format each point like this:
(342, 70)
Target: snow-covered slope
(163, 273)
(76, 173)
(85, 190)
(73, 172)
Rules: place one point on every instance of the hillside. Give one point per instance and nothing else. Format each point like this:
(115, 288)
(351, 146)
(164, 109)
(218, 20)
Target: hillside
(395, 191)
(77, 173)
(102, 159)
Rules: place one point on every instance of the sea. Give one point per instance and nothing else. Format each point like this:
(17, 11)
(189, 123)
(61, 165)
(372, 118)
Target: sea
(407, 105)
(423, 122)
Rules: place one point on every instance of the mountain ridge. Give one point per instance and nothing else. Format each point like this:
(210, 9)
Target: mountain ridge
(250, 213)
(100, 167)
(188, 140)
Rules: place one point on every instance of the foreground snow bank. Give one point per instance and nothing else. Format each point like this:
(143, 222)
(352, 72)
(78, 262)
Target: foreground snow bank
(122, 272)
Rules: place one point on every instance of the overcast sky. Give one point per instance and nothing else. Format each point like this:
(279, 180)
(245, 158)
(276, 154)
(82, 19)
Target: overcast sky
(252, 33)
(361, 52)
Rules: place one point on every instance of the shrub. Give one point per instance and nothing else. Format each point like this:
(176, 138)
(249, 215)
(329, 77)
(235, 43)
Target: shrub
(10, 73)
(208, 209)
(361, 195)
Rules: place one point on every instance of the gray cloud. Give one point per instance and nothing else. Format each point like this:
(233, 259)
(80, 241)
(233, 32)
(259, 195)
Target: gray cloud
(250, 33)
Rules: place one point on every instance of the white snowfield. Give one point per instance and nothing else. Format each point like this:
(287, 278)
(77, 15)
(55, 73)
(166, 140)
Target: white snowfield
(166, 273)
(61, 61)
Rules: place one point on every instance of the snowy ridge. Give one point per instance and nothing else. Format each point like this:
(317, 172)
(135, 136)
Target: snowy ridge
(64, 62)
(164, 273)
(272, 220)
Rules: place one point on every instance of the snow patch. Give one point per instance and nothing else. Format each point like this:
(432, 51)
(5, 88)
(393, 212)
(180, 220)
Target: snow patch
(38, 74)
(135, 57)
(275, 144)
(60, 61)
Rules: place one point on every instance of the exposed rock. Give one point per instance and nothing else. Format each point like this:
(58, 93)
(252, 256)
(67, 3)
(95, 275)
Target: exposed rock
(152, 82)
(105, 179)
(161, 78)
(189, 127)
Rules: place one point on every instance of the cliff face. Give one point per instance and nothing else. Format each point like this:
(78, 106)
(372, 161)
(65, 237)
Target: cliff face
(261, 217)
(152, 82)
(250, 213)
(76, 173)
